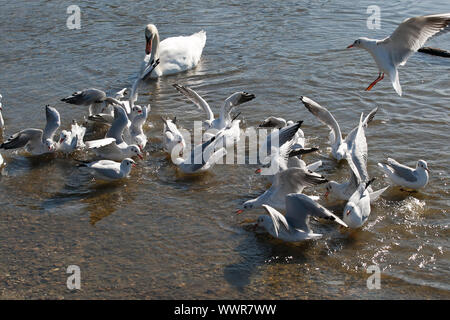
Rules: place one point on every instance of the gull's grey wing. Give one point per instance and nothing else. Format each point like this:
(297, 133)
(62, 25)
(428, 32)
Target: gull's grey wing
(278, 220)
(149, 69)
(287, 133)
(295, 179)
(102, 118)
(86, 97)
(368, 119)
(93, 144)
(21, 138)
(324, 116)
(283, 135)
(401, 170)
(74, 142)
(412, 34)
(119, 124)
(53, 123)
(197, 160)
(196, 99)
(299, 207)
(359, 152)
(302, 151)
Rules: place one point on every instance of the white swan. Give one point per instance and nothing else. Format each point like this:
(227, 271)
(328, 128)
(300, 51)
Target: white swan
(176, 54)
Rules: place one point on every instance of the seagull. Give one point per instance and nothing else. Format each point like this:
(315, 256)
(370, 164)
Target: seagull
(339, 146)
(357, 209)
(356, 156)
(36, 141)
(173, 140)
(294, 226)
(139, 116)
(213, 125)
(72, 140)
(394, 51)
(202, 157)
(110, 170)
(113, 146)
(2, 122)
(286, 180)
(405, 176)
(94, 98)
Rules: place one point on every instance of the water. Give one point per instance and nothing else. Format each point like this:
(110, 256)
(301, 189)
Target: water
(162, 235)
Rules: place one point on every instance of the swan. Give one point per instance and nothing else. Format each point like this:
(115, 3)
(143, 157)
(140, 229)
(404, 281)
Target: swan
(176, 54)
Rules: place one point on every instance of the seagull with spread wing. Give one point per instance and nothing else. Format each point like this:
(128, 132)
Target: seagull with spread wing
(294, 226)
(393, 51)
(286, 180)
(36, 141)
(224, 121)
(339, 146)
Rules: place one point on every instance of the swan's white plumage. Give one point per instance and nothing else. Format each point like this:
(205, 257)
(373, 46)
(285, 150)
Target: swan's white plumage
(176, 54)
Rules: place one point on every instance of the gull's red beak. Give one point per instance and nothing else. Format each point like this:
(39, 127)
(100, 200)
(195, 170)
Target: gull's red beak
(133, 165)
(258, 170)
(140, 148)
(148, 46)
(61, 140)
(347, 212)
(239, 211)
(140, 157)
(350, 46)
(326, 194)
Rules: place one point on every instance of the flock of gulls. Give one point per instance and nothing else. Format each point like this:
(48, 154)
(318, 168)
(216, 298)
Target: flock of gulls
(125, 140)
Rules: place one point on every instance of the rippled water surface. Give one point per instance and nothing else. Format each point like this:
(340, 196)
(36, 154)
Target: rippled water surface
(163, 235)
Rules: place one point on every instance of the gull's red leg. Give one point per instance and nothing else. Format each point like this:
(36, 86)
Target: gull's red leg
(380, 77)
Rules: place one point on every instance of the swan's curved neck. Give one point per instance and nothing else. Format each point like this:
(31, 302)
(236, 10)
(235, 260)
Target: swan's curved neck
(154, 55)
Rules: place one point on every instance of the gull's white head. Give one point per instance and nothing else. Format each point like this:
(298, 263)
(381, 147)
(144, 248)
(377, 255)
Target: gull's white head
(50, 144)
(330, 187)
(127, 164)
(360, 43)
(150, 32)
(64, 135)
(136, 110)
(352, 216)
(422, 165)
(135, 151)
(264, 221)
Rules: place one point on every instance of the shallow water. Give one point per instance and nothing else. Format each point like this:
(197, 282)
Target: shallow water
(163, 235)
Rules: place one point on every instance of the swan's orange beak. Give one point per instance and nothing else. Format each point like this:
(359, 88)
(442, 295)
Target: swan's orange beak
(350, 46)
(148, 46)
